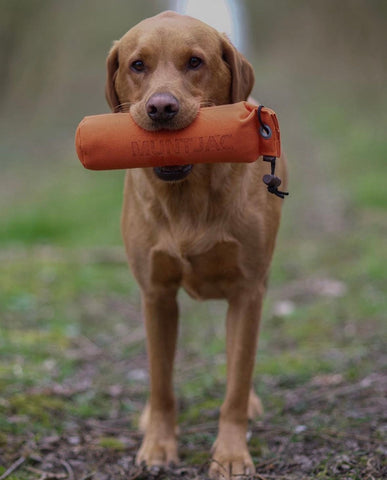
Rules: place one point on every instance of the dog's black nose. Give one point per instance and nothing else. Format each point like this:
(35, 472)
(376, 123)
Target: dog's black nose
(162, 107)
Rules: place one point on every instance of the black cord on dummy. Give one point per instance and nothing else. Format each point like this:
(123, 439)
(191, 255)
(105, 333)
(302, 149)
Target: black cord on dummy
(270, 180)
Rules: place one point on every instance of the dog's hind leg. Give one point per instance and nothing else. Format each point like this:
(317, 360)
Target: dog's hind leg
(255, 407)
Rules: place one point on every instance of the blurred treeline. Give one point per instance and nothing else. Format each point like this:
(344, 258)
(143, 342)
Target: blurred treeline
(52, 52)
(53, 55)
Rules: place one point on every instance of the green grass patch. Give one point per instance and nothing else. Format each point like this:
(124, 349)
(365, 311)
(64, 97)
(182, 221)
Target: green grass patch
(74, 207)
(40, 409)
(112, 443)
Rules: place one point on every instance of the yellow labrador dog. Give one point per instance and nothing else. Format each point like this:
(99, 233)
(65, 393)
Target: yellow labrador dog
(208, 228)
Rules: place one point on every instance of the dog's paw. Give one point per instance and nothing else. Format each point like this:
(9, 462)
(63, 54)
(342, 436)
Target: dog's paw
(144, 420)
(255, 407)
(157, 451)
(231, 467)
(230, 460)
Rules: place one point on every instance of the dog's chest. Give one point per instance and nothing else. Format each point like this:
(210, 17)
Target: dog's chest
(208, 274)
(213, 274)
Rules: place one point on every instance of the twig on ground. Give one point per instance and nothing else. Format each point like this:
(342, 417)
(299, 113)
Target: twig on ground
(269, 461)
(89, 475)
(260, 477)
(13, 467)
(69, 470)
(47, 475)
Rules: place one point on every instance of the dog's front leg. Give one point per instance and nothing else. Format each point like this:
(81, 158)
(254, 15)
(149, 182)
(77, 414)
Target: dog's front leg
(230, 454)
(159, 446)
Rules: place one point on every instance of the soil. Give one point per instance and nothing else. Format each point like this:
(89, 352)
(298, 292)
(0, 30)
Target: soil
(325, 429)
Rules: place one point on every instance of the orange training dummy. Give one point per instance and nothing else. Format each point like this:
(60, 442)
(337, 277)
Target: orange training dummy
(238, 132)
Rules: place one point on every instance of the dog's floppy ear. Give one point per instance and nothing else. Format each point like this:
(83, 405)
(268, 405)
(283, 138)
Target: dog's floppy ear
(112, 70)
(242, 73)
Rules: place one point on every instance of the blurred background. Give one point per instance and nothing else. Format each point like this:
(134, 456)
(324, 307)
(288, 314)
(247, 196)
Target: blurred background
(321, 65)
(66, 294)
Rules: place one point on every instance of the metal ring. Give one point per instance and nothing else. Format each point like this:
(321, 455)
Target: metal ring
(265, 131)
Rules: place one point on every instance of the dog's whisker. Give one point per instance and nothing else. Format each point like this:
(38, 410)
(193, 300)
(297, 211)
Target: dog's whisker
(124, 107)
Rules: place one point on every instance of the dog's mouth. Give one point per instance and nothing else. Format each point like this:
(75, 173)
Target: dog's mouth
(173, 173)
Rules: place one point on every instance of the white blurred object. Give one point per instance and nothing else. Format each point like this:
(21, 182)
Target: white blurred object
(284, 308)
(224, 15)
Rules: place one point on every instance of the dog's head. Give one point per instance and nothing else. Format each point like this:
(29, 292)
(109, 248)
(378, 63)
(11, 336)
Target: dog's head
(167, 67)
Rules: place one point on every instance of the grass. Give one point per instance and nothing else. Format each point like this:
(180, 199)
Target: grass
(59, 205)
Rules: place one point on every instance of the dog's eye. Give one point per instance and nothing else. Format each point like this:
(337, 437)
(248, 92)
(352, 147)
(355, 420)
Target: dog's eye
(138, 66)
(194, 63)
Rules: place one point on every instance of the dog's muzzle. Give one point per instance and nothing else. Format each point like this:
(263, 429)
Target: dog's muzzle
(173, 173)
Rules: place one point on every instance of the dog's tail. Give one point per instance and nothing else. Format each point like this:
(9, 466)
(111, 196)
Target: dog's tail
(224, 15)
